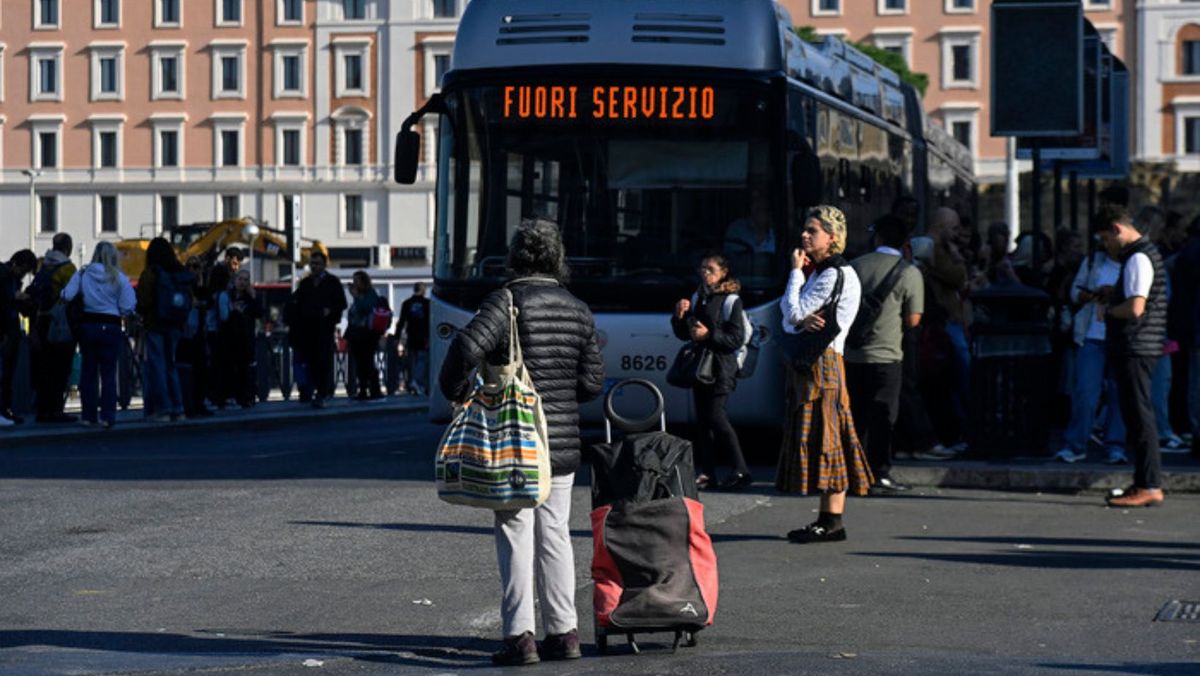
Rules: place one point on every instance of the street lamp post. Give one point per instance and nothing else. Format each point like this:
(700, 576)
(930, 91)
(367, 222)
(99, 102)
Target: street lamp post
(251, 231)
(33, 175)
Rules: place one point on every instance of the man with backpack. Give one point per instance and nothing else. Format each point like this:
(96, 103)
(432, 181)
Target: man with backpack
(12, 274)
(893, 301)
(414, 316)
(52, 342)
(164, 301)
(319, 304)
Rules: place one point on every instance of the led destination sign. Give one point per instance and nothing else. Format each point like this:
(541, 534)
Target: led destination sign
(612, 102)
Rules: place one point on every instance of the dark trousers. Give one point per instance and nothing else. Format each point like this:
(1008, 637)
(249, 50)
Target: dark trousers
(99, 347)
(193, 371)
(913, 430)
(1134, 375)
(875, 403)
(10, 346)
(318, 358)
(363, 345)
(716, 433)
(51, 371)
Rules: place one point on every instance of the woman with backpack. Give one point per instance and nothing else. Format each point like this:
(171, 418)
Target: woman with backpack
(557, 337)
(821, 452)
(163, 302)
(107, 297)
(715, 319)
(238, 312)
(362, 336)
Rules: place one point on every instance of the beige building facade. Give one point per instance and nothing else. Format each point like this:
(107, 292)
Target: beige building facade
(948, 41)
(119, 118)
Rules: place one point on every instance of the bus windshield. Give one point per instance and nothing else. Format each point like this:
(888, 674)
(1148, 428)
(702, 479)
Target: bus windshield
(644, 180)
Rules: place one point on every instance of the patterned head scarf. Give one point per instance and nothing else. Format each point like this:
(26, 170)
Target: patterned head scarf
(833, 221)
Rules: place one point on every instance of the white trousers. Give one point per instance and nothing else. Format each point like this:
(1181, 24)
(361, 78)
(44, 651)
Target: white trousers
(536, 544)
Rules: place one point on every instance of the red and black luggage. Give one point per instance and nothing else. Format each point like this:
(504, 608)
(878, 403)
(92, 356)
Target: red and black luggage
(653, 562)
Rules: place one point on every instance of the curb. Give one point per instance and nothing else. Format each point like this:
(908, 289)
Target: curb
(271, 419)
(1047, 477)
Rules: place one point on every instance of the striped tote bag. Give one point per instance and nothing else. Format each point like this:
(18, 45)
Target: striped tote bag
(495, 453)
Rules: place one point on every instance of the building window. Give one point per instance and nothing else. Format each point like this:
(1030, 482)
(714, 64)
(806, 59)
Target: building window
(441, 64)
(1097, 4)
(47, 79)
(168, 12)
(168, 69)
(47, 14)
(291, 73)
(108, 149)
(354, 213)
(354, 9)
(445, 9)
(960, 59)
(291, 11)
(230, 142)
(1191, 57)
(108, 75)
(961, 121)
(962, 133)
(290, 210)
(960, 6)
(291, 148)
(230, 70)
(231, 12)
(892, 6)
(47, 149)
(1191, 135)
(48, 213)
(168, 211)
(896, 41)
(230, 207)
(108, 213)
(354, 71)
(353, 138)
(168, 148)
(108, 13)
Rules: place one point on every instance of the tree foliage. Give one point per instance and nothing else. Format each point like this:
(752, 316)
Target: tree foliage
(889, 60)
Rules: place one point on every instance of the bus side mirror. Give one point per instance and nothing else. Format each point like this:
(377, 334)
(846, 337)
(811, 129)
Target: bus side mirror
(408, 156)
(806, 180)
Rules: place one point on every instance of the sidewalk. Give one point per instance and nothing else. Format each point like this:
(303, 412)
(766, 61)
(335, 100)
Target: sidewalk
(1181, 474)
(272, 413)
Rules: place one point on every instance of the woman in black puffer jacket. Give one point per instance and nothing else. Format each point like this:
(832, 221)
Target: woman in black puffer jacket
(703, 323)
(558, 342)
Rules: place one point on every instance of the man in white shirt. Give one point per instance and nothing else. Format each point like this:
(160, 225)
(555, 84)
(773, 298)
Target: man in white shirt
(1135, 316)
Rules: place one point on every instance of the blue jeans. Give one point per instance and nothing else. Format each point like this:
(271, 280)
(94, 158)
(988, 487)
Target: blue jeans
(164, 395)
(418, 371)
(1092, 379)
(1160, 389)
(99, 347)
(962, 370)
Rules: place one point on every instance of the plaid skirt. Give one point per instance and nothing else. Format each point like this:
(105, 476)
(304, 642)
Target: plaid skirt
(821, 452)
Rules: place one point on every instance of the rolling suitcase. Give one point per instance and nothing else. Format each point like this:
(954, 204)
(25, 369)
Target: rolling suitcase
(653, 562)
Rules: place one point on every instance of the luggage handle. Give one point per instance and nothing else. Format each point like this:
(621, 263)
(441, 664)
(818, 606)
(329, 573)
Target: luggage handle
(625, 425)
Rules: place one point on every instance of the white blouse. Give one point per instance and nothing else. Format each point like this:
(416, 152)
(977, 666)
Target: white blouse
(804, 297)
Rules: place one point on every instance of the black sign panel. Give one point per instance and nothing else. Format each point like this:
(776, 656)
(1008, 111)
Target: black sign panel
(1037, 68)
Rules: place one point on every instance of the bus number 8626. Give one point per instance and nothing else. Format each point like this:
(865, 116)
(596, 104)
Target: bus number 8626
(649, 362)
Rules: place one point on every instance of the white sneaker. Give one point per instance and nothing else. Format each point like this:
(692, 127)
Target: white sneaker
(5, 422)
(1117, 457)
(1070, 456)
(936, 452)
(1173, 444)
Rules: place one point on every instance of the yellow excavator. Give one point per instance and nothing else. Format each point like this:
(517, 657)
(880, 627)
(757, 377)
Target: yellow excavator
(207, 240)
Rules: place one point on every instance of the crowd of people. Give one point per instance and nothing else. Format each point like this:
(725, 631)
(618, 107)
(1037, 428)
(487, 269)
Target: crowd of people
(193, 328)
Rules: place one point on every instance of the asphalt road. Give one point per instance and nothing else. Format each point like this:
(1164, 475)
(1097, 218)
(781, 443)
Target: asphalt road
(322, 549)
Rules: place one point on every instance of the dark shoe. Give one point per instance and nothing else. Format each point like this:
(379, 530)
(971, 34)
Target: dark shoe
(1138, 497)
(886, 485)
(561, 646)
(737, 481)
(814, 532)
(517, 651)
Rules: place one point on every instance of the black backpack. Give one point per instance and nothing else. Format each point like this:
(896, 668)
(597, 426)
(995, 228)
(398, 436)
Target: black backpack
(872, 305)
(174, 296)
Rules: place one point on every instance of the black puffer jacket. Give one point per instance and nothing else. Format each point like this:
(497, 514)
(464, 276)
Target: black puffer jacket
(724, 337)
(558, 342)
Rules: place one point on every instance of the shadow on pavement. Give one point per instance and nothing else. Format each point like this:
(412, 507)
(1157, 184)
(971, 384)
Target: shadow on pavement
(1147, 668)
(1060, 542)
(420, 528)
(399, 649)
(1081, 560)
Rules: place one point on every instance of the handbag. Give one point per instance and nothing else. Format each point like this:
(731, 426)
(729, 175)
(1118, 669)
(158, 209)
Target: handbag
(803, 349)
(495, 454)
(693, 366)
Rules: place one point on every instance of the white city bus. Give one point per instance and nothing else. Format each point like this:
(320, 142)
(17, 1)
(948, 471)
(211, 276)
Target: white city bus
(646, 129)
